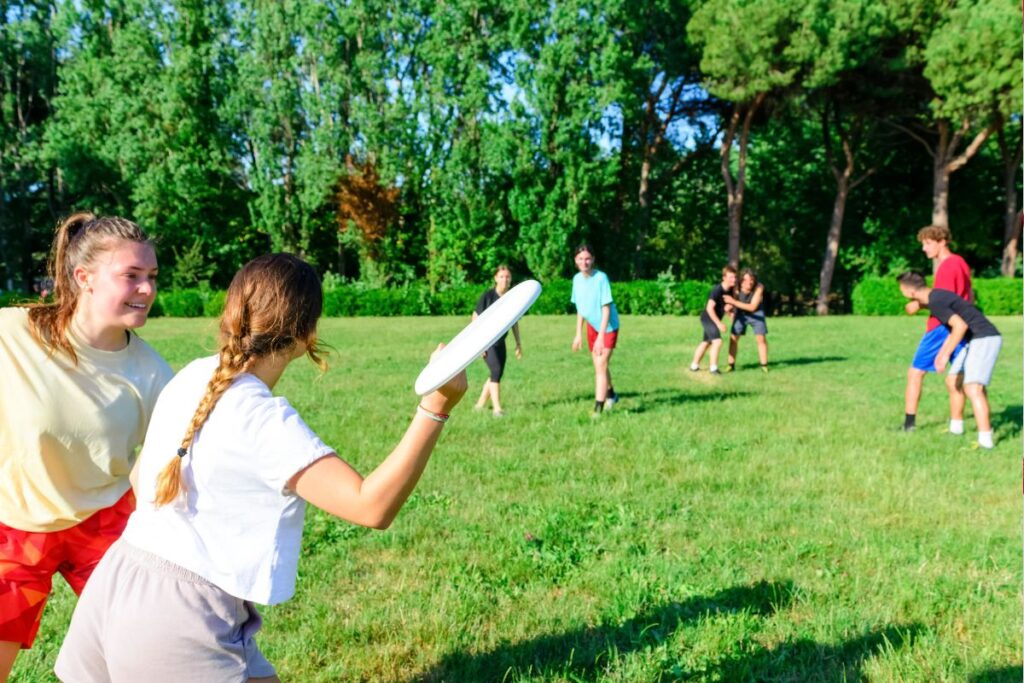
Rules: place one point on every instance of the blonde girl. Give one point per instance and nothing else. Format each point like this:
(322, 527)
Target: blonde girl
(78, 389)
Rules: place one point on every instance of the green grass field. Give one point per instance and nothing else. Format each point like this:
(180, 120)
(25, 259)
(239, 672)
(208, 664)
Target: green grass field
(745, 527)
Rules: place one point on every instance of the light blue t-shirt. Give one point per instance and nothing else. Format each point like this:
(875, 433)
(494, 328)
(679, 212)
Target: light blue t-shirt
(590, 294)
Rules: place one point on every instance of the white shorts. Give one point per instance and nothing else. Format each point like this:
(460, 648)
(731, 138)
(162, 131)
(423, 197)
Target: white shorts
(977, 360)
(142, 618)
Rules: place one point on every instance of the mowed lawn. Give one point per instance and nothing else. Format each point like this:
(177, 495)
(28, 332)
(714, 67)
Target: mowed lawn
(746, 527)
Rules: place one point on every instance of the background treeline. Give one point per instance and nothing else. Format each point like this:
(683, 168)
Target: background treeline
(419, 144)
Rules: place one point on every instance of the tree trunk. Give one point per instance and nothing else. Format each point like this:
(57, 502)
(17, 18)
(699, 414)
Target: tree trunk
(644, 222)
(835, 229)
(947, 161)
(940, 192)
(735, 189)
(1012, 219)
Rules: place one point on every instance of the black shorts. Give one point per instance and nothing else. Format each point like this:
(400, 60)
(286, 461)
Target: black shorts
(495, 360)
(711, 331)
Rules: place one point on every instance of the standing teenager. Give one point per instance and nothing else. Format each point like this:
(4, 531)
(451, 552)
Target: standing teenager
(711, 321)
(78, 390)
(495, 356)
(595, 309)
(748, 311)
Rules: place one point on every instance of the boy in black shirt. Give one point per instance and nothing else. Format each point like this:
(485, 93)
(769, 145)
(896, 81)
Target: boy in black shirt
(965, 322)
(711, 321)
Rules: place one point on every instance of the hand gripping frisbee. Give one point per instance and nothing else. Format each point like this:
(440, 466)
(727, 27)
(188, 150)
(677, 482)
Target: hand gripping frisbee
(478, 336)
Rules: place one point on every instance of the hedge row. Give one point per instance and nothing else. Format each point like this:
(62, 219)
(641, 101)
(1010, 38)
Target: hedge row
(881, 296)
(872, 296)
(643, 297)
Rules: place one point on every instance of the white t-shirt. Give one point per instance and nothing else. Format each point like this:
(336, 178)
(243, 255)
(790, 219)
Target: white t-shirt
(236, 525)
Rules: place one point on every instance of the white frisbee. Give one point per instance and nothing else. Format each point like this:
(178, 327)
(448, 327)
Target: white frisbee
(478, 336)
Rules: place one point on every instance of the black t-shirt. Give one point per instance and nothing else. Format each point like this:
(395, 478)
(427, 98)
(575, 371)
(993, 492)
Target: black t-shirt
(717, 294)
(485, 301)
(943, 304)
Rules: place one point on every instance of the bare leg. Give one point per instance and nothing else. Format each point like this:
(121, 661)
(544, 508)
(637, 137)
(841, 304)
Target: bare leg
(915, 378)
(762, 349)
(484, 395)
(699, 353)
(601, 377)
(979, 401)
(8, 653)
(716, 348)
(955, 384)
(495, 396)
(734, 343)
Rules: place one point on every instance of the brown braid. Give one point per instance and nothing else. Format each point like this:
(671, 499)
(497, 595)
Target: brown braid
(233, 362)
(76, 242)
(273, 303)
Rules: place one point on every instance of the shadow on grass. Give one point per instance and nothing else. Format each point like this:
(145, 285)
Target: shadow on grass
(1008, 421)
(640, 402)
(1006, 674)
(807, 660)
(804, 360)
(578, 654)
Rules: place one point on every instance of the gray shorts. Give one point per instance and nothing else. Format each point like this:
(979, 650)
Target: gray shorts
(977, 360)
(743, 320)
(142, 618)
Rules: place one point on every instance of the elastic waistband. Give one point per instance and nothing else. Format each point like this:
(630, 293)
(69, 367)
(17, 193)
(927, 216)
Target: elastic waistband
(157, 563)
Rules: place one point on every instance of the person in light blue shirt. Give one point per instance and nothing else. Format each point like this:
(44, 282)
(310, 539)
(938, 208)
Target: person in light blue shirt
(592, 296)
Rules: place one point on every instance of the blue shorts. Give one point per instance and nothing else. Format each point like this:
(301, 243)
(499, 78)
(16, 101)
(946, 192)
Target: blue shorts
(931, 342)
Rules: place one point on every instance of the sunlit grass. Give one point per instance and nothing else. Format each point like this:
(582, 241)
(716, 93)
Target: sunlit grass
(746, 527)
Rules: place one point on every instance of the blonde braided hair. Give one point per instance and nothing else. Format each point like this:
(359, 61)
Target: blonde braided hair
(273, 302)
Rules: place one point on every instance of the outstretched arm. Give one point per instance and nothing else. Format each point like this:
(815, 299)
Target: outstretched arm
(750, 306)
(333, 485)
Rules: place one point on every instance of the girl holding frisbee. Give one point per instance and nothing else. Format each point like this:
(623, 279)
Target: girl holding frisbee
(223, 481)
(748, 311)
(592, 296)
(496, 355)
(78, 389)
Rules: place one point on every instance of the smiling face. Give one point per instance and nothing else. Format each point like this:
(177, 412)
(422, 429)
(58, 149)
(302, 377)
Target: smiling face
(585, 262)
(729, 280)
(118, 288)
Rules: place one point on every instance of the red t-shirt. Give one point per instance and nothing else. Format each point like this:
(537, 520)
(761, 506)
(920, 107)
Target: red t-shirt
(954, 275)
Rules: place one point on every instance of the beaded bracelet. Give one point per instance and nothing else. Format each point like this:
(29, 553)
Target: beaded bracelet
(436, 417)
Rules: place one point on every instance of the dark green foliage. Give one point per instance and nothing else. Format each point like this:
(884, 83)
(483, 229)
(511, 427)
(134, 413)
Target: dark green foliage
(998, 295)
(881, 296)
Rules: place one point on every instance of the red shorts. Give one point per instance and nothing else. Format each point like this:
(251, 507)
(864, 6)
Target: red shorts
(29, 559)
(609, 338)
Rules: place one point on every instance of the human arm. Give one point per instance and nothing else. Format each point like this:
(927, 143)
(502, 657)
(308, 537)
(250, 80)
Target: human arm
(957, 330)
(577, 341)
(333, 485)
(519, 342)
(710, 309)
(750, 306)
(912, 307)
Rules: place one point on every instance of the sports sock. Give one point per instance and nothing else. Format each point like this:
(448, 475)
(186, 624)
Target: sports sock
(985, 439)
(598, 406)
(909, 421)
(956, 426)
(694, 366)
(611, 394)
(713, 368)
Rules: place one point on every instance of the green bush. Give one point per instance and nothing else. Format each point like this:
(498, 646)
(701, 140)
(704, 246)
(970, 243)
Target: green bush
(459, 300)
(998, 295)
(881, 296)
(213, 303)
(554, 298)
(181, 303)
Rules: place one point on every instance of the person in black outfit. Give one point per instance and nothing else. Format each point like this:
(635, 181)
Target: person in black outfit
(711, 321)
(496, 355)
(965, 323)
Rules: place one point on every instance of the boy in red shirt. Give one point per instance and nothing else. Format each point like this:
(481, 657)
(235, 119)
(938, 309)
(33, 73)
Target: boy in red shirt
(953, 274)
